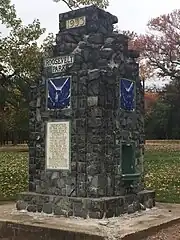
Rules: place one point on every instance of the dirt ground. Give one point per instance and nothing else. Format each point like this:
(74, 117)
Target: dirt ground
(110, 229)
(170, 233)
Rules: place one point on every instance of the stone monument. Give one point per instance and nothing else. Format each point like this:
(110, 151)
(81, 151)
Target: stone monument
(86, 123)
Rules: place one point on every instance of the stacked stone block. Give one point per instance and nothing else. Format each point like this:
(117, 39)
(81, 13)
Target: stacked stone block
(94, 185)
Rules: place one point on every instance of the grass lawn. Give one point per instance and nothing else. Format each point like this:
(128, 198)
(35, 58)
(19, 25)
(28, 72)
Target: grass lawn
(163, 174)
(162, 166)
(13, 174)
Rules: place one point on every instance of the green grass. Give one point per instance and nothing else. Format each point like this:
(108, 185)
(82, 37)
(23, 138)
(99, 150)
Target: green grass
(163, 174)
(13, 174)
(162, 167)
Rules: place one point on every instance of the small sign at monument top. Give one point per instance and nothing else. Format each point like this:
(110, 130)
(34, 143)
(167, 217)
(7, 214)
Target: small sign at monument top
(59, 64)
(76, 22)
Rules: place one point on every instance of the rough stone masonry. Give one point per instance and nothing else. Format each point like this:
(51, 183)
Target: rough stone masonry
(86, 123)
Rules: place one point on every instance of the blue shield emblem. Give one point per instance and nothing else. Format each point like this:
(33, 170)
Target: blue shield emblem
(127, 94)
(59, 92)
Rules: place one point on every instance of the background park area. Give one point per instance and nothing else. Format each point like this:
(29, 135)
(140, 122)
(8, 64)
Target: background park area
(25, 43)
(162, 164)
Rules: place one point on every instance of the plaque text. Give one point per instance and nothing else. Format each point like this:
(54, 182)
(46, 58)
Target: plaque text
(58, 145)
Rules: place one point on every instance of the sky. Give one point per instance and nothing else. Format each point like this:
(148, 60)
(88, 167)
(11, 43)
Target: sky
(132, 14)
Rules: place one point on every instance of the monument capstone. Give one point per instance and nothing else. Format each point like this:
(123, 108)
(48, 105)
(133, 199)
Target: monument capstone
(86, 123)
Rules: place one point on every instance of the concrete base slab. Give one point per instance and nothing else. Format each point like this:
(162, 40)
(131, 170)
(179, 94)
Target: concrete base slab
(140, 224)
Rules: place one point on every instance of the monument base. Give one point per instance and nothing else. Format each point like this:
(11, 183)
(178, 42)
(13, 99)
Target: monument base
(86, 207)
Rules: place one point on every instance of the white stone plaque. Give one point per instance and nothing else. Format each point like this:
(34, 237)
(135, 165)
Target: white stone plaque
(76, 22)
(58, 145)
(59, 64)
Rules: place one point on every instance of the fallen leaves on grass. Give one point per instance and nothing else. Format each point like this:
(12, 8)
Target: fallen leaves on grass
(154, 147)
(13, 174)
(162, 165)
(163, 174)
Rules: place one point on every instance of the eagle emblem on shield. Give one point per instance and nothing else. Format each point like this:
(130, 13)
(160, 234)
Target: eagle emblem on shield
(59, 92)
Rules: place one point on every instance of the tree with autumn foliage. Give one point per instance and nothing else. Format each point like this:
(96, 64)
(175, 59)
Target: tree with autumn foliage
(160, 47)
(160, 56)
